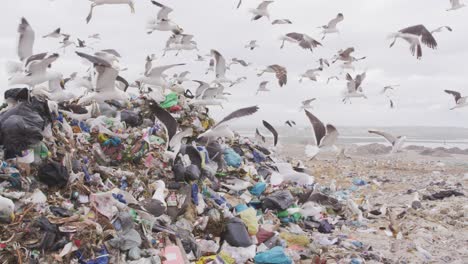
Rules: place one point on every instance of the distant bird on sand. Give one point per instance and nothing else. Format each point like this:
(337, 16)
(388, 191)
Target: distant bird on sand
(414, 35)
(459, 100)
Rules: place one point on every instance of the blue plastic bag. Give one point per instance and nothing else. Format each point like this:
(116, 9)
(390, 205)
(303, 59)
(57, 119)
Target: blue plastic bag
(275, 255)
(232, 158)
(258, 189)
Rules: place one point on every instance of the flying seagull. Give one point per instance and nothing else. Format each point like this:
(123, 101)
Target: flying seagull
(323, 62)
(155, 76)
(331, 26)
(252, 45)
(389, 87)
(290, 123)
(303, 40)
(262, 87)
(459, 100)
(221, 129)
(396, 142)
(331, 78)
(220, 68)
(324, 136)
(455, 5)
(310, 74)
(414, 35)
(272, 130)
(442, 28)
(261, 10)
(25, 40)
(354, 86)
(345, 55)
(238, 81)
(280, 72)
(259, 137)
(36, 70)
(281, 22)
(307, 104)
(108, 2)
(54, 34)
(106, 78)
(95, 36)
(162, 21)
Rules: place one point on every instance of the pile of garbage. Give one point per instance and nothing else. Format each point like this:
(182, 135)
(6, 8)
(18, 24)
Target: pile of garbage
(142, 186)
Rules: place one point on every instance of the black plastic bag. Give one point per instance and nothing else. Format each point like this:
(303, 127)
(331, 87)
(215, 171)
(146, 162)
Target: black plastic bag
(17, 94)
(131, 118)
(192, 173)
(53, 174)
(280, 200)
(325, 227)
(236, 233)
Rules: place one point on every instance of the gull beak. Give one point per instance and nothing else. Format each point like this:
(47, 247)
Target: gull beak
(62, 84)
(12, 217)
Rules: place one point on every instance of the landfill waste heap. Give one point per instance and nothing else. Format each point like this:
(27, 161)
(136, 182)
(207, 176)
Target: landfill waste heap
(151, 184)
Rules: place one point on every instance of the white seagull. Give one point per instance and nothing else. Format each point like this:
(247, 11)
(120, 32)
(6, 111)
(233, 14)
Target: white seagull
(262, 87)
(396, 142)
(307, 104)
(414, 35)
(303, 40)
(389, 87)
(182, 77)
(331, 26)
(345, 55)
(155, 76)
(35, 70)
(57, 91)
(162, 21)
(252, 45)
(459, 100)
(54, 34)
(238, 81)
(207, 95)
(220, 68)
(106, 77)
(108, 2)
(324, 136)
(280, 72)
(261, 11)
(180, 42)
(455, 5)
(25, 40)
(310, 74)
(354, 87)
(221, 129)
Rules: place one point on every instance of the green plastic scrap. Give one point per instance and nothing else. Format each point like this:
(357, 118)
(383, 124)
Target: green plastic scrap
(171, 100)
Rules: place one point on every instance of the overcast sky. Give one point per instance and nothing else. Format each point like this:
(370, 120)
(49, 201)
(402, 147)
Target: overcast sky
(217, 24)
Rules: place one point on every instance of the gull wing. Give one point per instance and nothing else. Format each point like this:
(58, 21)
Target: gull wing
(330, 137)
(166, 118)
(260, 136)
(163, 13)
(25, 40)
(318, 127)
(157, 71)
(391, 139)
(272, 130)
(281, 74)
(455, 94)
(40, 63)
(201, 88)
(426, 36)
(264, 5)
(263, 85)
(335, 21)
(220, 63)
(238, 114)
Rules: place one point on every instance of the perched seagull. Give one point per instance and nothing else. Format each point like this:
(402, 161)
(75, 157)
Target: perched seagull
(262, 87)
(57, 92)
(252, 45)
(345, 55)
(155, 76)
(272, 130)
(332, 77)
(238, 81)
(324, 136)
(280, 72)
(221, 129)
(323, 62)
(414, 35)
(281, 22)
(459, 100)
(162, 21)
(396, 142)
(36, 70)
(54, 34)
(95, 36)
(331, 26)
(307, 104)
(389, 87)
(261, 11)
(440, 29)
(290, 123)
(456, 4)
(354, 86)
(106, 77)
(210, 66)
(303, 40)
(108, 2)
(200, 58)
(310, 74)
(220, 68)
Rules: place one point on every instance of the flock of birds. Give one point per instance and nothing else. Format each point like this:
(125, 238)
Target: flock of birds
(104, 86)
